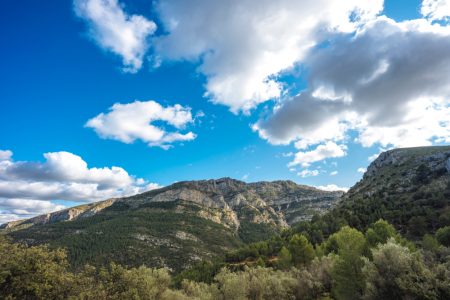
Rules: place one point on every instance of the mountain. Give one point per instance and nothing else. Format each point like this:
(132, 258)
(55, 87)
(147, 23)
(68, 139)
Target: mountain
(177, 225)
(409, 187)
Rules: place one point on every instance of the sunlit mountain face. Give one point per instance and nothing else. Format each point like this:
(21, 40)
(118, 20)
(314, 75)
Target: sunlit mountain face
(104, 99)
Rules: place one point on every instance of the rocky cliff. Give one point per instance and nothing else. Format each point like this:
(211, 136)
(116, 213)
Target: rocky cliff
(278, 202)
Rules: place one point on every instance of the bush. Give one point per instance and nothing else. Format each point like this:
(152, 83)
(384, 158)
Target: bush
(443, 236)
(397, 273)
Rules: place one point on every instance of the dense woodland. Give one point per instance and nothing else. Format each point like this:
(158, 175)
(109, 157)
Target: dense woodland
(375, 264)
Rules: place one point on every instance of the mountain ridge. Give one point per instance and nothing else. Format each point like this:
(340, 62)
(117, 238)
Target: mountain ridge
(177, 225)
(226, 185)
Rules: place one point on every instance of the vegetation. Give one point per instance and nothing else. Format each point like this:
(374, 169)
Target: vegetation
(169, 234)
(413, 194)
(349, 264)
(347, 253)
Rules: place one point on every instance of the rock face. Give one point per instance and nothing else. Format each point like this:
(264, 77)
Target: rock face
(400, 169)
(177, 225)
(278, 202)
(434, 158)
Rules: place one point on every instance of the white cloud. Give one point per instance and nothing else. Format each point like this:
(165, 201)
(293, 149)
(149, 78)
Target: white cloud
(362, 170)
(28, 207)
(116, 31)
(132, 121)
(373, 157)
(389, 83)
(308, 173)
(321, 152)
(435, 9)
(332, 188)
(287, 154)
(243, 45)
(334, 173)
(5, 155)
(26, 188)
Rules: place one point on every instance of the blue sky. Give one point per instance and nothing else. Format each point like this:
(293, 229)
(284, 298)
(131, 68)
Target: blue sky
(61, 67)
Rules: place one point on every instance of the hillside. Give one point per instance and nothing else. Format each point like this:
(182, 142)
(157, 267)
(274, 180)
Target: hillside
(409, 187)
(174, 226)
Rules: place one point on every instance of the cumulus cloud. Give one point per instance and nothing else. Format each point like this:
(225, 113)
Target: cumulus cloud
(308, 173)
(321, 152)
(389, 83)
(332, 188)
(362, 170)
(243, 45)
(27, 188)
(436, 9)
(333, 173)
(116, 31)
(135, 121)
(27, 207)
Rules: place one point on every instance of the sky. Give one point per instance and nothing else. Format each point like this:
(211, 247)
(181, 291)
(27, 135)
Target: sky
(109, 98)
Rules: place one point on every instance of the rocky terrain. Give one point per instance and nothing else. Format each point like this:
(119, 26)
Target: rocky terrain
(190, 221)
(176, 225)
(410, 187)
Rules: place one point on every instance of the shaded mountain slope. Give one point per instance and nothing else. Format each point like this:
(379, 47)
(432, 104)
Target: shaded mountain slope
(409, 187)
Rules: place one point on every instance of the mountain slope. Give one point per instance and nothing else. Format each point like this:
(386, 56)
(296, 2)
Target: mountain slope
(174, 226)
(409, 187)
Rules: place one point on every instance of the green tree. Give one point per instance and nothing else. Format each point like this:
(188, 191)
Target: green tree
(443, 236)
(380, 232)
(301, 250)
(284, 258)
(347, 273)
(417, 226)
(430, 243)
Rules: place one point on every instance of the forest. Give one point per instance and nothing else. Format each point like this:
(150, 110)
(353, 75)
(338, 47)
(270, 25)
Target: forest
(378, 263)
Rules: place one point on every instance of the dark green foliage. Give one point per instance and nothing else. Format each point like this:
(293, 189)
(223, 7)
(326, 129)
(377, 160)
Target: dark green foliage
(147, 235)
(413, 206)
(284, 258)
(250, 232)
(204, 271)
(443, 236)
(348, 277)
(379, 233)
(301, 250)
(422, 174)
(417, 226)
(255, 250)
(430, 243)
